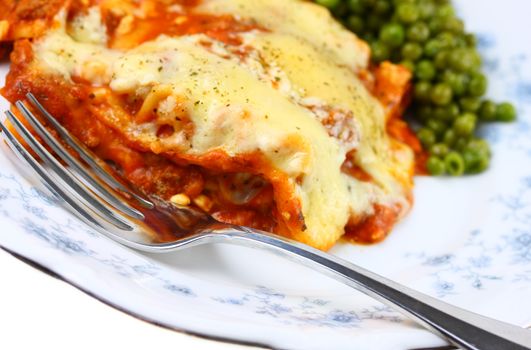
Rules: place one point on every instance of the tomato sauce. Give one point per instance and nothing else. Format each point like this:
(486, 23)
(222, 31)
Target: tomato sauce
(128, 32)
(373, 228)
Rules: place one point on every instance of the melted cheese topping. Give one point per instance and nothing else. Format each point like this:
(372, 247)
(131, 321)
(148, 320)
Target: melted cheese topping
(242, 105)
(308, 22)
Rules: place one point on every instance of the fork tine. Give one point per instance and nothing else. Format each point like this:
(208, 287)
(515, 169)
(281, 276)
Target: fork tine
(86, 154)
(50, 183)
(93, 202)
(75, 164)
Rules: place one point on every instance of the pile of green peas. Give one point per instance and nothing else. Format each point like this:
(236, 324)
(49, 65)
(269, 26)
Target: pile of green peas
(448, 103)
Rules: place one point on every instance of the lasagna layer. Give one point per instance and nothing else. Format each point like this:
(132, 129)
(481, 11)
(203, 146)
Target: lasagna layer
(263, 113)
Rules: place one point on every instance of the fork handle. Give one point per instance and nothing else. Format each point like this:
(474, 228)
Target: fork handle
(458, 326)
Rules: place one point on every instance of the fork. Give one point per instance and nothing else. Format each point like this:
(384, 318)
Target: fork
(92, 191)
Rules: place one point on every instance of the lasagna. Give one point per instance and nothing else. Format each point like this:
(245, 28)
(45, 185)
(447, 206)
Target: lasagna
(263, 113)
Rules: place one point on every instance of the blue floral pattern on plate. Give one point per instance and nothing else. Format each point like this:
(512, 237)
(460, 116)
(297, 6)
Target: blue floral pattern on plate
(479, 257)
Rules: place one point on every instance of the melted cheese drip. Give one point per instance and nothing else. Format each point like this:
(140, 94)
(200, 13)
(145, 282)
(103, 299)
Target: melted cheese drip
(234, 107)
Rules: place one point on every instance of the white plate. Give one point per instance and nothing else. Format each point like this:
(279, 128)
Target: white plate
(467, 241)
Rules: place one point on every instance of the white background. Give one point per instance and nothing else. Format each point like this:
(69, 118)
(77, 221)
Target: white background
(40, 312)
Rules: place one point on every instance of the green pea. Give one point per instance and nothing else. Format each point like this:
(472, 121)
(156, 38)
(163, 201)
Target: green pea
(418, 32)
(394, 18)
(461, 143)
(464, 60)
(460, 42)
(408, 64)
(380, 51)
(478, 85)
(399, 2)
(475, 161)
(471, 40)
(487, 111)
(392, 34)
(426, 9)
(435, 166)
(425, 70)
(355, 23)
(457, 82)
(422, 91)
(328, 3)
(432, 47)
(465, 124)
(450, 137)
(381, 7)
(407, 13)
(470, 104)
(441, 94)
(441, 59)
(454, 25)
(446, 40)
(505, 112)
(454, 163)
(476, 57)
(436, 25)
(439, 113)
(426, 137)
(454, 59)
(479, 145)
(439, 150)
(445, 12)
(437, 126)
(452, 111)
(356, 6)
(411, 51)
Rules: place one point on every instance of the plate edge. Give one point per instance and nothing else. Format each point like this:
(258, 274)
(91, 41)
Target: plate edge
(50, 272)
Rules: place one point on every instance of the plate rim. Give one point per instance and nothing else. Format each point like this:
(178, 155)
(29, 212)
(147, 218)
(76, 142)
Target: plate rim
(51, 272)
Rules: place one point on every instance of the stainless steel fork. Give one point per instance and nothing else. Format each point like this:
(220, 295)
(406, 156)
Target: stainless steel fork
(105, 202)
